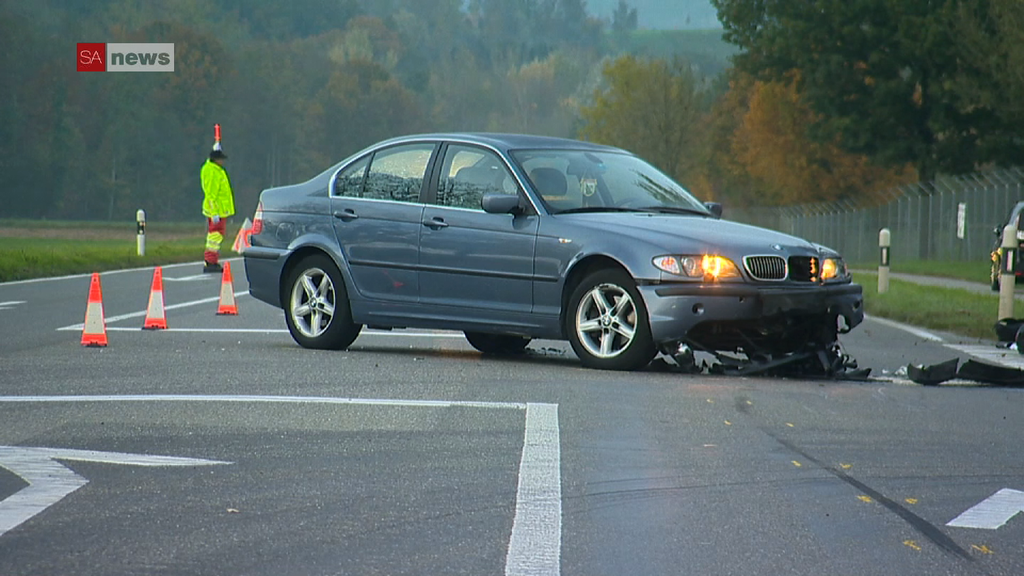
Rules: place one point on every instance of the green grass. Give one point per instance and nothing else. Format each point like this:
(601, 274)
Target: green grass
(96, 247)
(947, 309)
(21, 259)
(974, 271)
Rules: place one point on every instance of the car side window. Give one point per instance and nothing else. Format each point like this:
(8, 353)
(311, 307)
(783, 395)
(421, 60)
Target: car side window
(468, 173)
(349, 182)
(397, 173)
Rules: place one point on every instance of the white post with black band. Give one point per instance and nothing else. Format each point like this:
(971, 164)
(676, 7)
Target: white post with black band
(884, 242)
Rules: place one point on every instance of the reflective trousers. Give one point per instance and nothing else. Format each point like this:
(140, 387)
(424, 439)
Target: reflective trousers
(214, 237)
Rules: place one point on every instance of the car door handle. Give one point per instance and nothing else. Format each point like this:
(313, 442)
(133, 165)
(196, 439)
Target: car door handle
(346, 215)
(435, 223)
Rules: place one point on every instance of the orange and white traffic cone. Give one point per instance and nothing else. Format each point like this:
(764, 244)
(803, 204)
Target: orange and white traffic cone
(156, 316)
(95, 331)
(227, 293)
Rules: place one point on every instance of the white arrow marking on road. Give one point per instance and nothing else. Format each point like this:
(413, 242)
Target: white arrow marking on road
(992, 512)
(49, 481)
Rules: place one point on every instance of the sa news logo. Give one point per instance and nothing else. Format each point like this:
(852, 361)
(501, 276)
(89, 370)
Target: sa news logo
(138, 57)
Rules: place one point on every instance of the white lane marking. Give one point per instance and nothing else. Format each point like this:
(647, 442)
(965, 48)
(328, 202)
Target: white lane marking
(279, 331)
(922, 334)
(142, 313)
(107, 273)
(992, 512)
(535, 543)
(991, 354)
(10, 304)
(263, 399)
(49, 481)
(192, 278)
(535, 547)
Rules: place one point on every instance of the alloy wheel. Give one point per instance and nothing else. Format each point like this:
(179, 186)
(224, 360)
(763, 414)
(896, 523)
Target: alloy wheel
(606, 320)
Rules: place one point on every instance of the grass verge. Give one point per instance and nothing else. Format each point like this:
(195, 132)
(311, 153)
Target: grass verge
(975, 271)
(42, 249)
(947, 309)
(21, 259)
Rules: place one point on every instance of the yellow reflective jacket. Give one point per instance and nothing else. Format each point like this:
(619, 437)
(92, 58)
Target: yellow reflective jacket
(217, 197)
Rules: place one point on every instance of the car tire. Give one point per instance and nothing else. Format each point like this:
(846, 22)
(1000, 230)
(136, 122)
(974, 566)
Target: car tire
(316, 306)
(607, 323)
(497, 343)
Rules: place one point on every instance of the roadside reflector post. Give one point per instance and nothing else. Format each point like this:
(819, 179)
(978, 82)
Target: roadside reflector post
(140, 232)
(1008, 278)
(884, 242)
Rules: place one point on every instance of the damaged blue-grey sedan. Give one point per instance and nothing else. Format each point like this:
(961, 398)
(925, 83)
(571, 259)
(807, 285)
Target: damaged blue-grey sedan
(510, 237)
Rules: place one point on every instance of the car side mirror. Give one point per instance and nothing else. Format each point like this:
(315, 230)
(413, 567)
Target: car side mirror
(501, 204)
(715, 208)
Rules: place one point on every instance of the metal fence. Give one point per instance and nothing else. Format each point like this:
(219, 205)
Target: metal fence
(950, 219)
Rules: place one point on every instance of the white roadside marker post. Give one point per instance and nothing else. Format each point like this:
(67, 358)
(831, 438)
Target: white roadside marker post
(884, 241)
(1008, 278)
(140, 231)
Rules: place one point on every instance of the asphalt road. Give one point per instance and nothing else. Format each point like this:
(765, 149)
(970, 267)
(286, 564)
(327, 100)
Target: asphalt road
(218, 446)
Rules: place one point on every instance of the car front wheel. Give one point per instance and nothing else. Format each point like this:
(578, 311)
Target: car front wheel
(316, 307)
(607, 323)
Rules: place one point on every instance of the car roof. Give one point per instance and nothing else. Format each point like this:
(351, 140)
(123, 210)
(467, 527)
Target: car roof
(506, 142)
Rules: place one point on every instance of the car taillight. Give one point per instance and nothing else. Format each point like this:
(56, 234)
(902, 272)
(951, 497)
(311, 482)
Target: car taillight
(257, 219)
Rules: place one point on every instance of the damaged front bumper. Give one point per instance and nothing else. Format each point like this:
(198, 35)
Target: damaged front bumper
(710, 315)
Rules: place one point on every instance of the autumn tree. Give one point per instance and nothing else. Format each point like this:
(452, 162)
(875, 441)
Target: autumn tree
(878, 73)
(788, 167)
(649, 107)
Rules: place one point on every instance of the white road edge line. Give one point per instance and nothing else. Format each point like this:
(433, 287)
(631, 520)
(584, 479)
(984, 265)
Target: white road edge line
(278, 331)
(922, 334)
(535, 544)
(107, 273)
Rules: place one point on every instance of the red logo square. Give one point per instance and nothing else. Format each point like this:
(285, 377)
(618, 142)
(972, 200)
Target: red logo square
(91, 57)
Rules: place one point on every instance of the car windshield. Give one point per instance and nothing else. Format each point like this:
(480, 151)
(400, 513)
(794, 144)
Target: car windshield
(587, 181)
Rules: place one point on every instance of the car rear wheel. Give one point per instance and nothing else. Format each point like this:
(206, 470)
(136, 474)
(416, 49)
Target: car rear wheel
(607, 323)
(497, 343)
(316, 308)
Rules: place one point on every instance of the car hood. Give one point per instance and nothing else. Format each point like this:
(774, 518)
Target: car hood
(676, 233)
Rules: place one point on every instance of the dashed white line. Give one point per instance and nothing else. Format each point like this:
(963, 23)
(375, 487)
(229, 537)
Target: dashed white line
(142, 313)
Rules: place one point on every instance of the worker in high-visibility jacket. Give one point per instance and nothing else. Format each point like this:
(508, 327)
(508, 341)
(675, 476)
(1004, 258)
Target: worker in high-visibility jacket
(218, 206)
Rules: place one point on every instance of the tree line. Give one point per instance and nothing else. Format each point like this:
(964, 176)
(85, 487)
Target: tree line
(854, 97)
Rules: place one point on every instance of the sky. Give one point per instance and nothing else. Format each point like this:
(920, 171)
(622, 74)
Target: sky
(663, 14)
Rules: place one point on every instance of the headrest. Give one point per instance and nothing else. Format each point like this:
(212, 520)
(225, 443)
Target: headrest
(480, 175)
(548, 181)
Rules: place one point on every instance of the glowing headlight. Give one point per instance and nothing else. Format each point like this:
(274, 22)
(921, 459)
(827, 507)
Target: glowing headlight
(832, 268)
(710, 267)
